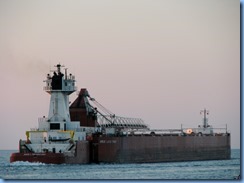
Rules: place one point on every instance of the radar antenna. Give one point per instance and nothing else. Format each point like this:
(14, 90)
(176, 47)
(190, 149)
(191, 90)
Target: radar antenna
(59, 67)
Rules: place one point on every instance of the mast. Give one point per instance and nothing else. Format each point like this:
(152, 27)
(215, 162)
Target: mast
(205, 119)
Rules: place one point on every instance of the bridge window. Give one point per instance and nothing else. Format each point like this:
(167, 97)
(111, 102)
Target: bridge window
(54, 126)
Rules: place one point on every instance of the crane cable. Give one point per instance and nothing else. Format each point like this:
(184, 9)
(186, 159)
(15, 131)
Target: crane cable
(94, 108)
(100, 106)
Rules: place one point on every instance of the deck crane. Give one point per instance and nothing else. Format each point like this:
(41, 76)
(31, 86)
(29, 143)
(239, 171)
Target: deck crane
(106, 118)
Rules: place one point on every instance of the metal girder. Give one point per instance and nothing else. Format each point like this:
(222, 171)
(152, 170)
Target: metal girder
(117, 121)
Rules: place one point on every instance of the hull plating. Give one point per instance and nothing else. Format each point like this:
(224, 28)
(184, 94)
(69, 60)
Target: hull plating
(138, 149)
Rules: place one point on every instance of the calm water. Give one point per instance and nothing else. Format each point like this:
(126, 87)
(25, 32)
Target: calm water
(223, 169)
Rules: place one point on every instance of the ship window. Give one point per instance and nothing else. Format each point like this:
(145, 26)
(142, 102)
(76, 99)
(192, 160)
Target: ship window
(55, 126)
(65, 83)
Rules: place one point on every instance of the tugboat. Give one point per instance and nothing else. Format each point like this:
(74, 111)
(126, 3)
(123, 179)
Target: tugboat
(81, 133)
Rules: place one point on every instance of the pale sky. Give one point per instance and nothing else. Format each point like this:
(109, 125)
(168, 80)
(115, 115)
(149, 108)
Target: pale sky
(159, 60)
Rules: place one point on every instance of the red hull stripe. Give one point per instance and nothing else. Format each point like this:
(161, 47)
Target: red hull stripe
(48, 158)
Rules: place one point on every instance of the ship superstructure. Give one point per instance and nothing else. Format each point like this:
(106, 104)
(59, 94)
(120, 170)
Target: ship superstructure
(56, 132)
(55, 137)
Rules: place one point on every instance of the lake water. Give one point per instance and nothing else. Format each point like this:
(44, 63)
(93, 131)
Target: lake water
(194, 170)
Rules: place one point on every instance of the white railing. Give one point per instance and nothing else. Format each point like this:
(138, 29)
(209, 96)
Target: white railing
(64, 88)
(43, 119)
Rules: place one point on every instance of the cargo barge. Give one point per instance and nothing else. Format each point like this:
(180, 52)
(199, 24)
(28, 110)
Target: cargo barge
(86, 132)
